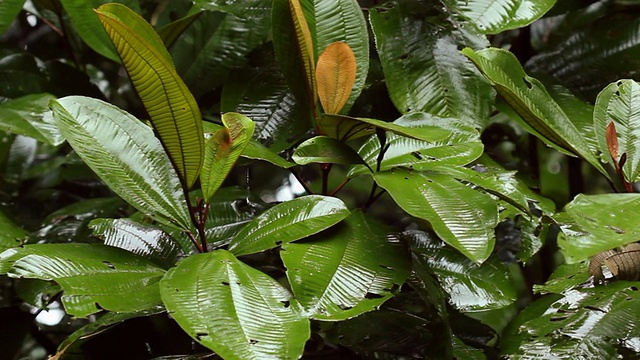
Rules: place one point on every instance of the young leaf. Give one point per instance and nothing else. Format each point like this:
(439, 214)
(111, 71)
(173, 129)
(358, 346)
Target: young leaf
(323, 149)
(233, 309)
(344, 272)
(616, 106)
(173, 111)
(335, 76)
(542, 116)
(93, 277)
(462, 217)
(289, 221)
(223, 150)
(125, 154)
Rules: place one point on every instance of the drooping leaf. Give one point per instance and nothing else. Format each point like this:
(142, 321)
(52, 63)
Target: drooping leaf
(223, 150)
(125, 154)
(146, 241)
(617, 104)
(542, 116)
(598, 223)
(346, 271)
(173, 111)
(289, 221)
(423, 69)
(496, 16)
(93, 277)
(28, 116)
(233, 309)
(9, 9)
(11, 235)
(323, 149)
(461, 146)
(335, 76)
(462, 217)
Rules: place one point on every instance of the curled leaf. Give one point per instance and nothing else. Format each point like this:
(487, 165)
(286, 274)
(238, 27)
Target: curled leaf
(623, 264)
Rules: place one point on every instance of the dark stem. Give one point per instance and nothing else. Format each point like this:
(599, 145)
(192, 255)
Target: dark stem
(65, 35)
(576, 182)
(296, 174)
(326, 168)
(339, 187)
(202, 245)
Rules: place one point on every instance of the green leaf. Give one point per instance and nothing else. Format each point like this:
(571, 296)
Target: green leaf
(233, 309)
(323, 149)
(462, 217)
(250, 9)
(173, 111)
(542, 116)
(346, 271)
(289, 221)
(87, 25)
(422, 65)
(223, 150)
(9, 9)
(172, 31)
(496, 16)
(11, 235)
(617, 103)
(28, 116)
(146, 241)
(598, 223)
(125, 154)
(21, 75)
(93, 277)
(461, 146)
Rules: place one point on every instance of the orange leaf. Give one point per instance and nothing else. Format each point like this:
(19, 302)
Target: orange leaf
(335, 76)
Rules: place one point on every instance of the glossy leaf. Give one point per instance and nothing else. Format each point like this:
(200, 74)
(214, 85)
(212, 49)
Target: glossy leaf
(87, 24)
(600, 222)
(9, 9)
(346, 271)
(335, 76)
(125, 154)
(462, 217)
(617, 104)
(170, 32)
(144, 240)
(305, 46)
(12, 235)
(289, 221)
(461, 146)
(423, 68)
(93, 277)
(233, 309)
(28, 116)
(173, 111)
(542, 116)
(223, 150)
(323, 149)
(244, 9)
(496, 16)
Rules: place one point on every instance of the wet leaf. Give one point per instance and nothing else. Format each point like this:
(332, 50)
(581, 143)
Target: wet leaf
(323, 149)
(346, 271)
(289, 221)
(11, 235)
(28, 116)
(93, 277)
(233, 309)
(335, 76)
(87, 24)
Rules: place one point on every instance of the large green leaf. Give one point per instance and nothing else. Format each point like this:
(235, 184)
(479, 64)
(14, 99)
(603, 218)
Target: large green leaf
(28, 116)
(597, 223)
(223, 150)
(233, 309)
(461, 146)
(529, 98)
(423, 69)
(348, 270)
(9, 9)
(579, 325)
(144, 240)
(245, 9)
(125, 154)
(12, 234)
(618, 104)
(289, 221)
(496, 16)
(87, 24)
(340, 20)
(461, 216)
(93, 277)
(323, 149)
(173, 111)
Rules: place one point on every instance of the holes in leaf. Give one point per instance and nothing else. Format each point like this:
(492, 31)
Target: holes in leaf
(527, 83)
(619, 83)
(279, 242)
(109, 264)
(559, 318)
(345, 307)
(633, 288)
(253, 341)
(589, 307)
(200, 335)
(225, 283)
(386, 267)
(371, 295)
(617, 93)
(286, 303)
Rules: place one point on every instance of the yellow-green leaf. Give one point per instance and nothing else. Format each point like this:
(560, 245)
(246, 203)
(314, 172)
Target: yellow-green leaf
(172, 108)
(305, 44)
(335, 76)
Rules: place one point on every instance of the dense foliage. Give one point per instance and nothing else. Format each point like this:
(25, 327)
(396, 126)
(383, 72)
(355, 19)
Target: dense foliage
(319, 179)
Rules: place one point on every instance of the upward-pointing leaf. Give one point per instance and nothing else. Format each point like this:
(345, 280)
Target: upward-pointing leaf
(305, 44)
(173, 111)
(335, 76)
